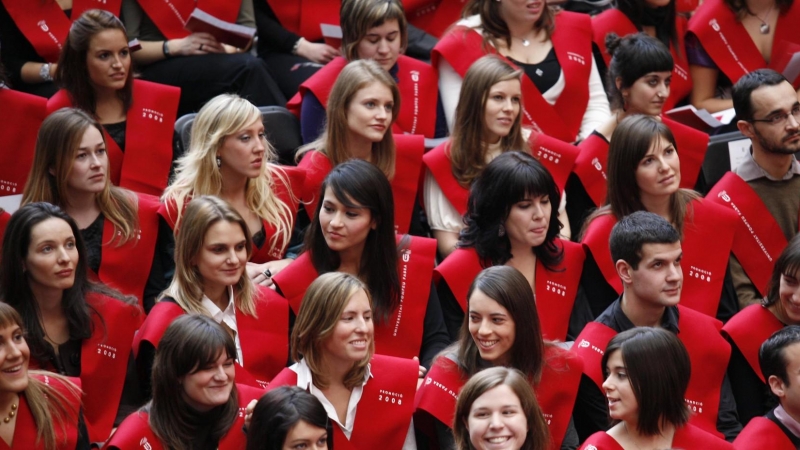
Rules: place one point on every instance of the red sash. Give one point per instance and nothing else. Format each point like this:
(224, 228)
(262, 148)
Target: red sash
(595, 240)
(401, 336)
(408, 167)
(555, 290)
(46, 26)
(591, 166)
(388, 394)
(572, 42)
(156, 323)
(615, 21)
(4, 218)
(289, 195)
(557, 156)
(288, 13)
(761, 432)
(758, 240)
(724, 38)
(438, 162)
(25, 429)
(433, 16)
(693, 436)
(708, 352)
(601, 441)
(135, 432)
(692, 145)
(748, 329)
(25, 114)
(320, 84)
(170, 16)
(144, 166)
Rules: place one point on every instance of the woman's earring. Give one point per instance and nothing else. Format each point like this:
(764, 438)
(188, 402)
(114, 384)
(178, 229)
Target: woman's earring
(219, 162)
(502, 230)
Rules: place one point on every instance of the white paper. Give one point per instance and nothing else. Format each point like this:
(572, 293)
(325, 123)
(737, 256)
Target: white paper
(10, 203)
(331, 31)
(738, 151)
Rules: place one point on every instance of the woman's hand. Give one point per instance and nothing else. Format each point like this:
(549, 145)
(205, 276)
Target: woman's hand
(195, 44)
(318, 53)
(422, 371)
(248, 413)
(262, 273)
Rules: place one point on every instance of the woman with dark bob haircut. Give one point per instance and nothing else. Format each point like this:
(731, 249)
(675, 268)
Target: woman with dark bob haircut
(644, 174)
(512, 220)
(499, 400)
(288, 417)
(353, 232)
(74, 326)
(501, 311)
(750, 327)
(95, 74)
(195, 401)
(646, 394)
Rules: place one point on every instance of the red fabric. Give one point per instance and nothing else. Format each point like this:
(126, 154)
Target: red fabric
(557, 156)
(290, 196)
(692, 145)
(595, 239)
(170, 16)
(748, 329)
(759, 239)
(761, 432)
(439, 163)
(144, 166)
(25, 114)
(724, 38)
(591, 167)
(433, 16)
(572, 42)
(288, 13)
(4, 218)
(554, 291)
(294, 279)
(601, 441)
(688, 436)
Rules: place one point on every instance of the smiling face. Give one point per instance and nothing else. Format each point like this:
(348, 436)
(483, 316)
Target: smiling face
(659, 171)
(108, 59)
(369, 114)
(351, 339)
(304, 436)
(52, 256)
(14, 357)
(521, 10)
(528, 220)
(648, 94)
(622, 403)
(497, 421)
(501, 109)
(344, 228)
(789, 299)
(242, 153)
(659, 278)
(90, 165)
(210, 386)
(381, 44)
(223, 257)
(492, 328)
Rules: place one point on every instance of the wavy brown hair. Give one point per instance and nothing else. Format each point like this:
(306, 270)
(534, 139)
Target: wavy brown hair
(495, 28)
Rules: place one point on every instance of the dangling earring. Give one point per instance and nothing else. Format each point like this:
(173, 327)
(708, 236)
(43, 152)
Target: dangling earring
(502, 230)
(219, 162)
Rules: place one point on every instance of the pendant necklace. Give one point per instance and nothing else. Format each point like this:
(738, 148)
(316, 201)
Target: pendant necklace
(526, 42)
(764, 28)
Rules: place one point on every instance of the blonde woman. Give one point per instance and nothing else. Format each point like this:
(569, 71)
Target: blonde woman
(229, 157)
(211, 252)
(121, 228)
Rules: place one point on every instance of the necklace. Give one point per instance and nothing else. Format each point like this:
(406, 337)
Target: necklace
(11, 413)
(764, 28)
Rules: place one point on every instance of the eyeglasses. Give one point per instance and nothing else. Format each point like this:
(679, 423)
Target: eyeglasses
(782, 117)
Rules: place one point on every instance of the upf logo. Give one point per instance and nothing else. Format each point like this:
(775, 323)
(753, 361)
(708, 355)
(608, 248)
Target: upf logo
(584, 343)
(724, 195)
(591, 447)
(714, 25)
(406, 255)
(415, 76)
(145, 445)
(577, 58)
(43, 25)
(428, 380)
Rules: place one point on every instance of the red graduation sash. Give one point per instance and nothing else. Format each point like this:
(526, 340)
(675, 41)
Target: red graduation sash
(761, 432)
(289, 195)
(724, 38)
(693, 436)
(433, 16)
(595, 240)
(170, 16)
(4, 218)
(320, 84)
(24, 116)
(156, 323)
(748, 329)
(294, 279)
(388, 394)
(572, 41)
(758, 240)
(407, 171)
(46, 26)
(144, 166)
(591, 166)
(554, 291)
(557, 156)
(438, 394)
(601, 441)
(438, 162)
(288, 13)
(615, 21)
(314, 13)
(135, 432)
(692, 145)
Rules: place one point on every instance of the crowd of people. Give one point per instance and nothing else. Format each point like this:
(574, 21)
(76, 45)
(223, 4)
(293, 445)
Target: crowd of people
(493, 236)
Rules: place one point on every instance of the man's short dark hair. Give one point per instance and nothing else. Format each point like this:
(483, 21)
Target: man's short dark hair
(743, 90)
(771, 355)
(634, 230)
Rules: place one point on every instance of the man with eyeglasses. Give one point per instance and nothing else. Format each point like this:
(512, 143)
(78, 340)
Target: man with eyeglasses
(765, 188)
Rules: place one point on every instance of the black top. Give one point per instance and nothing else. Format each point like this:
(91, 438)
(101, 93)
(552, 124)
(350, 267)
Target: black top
(544, 74)
(117, 133)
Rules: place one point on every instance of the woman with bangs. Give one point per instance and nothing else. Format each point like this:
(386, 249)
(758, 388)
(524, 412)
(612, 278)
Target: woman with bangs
(353, 232)
(196, 400)
(375, 30)
(369, 397)
(74, 326)
(502, 329)
(511, 221)
(640, 81)
(126, 243)
(363, 105)
(229, 157)
(211, 254)
(96, 76)
(750, 327)
(646, 395)
(644, 174)
(563, 95)
(288, 417)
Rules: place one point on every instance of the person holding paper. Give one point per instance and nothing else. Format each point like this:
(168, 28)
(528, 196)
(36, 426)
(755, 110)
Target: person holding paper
(728, 39)
(197, 62)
